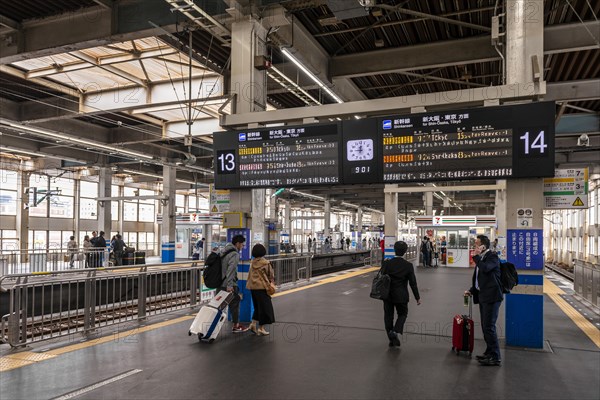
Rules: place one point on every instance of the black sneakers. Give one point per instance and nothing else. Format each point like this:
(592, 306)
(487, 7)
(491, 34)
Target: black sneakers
(394, 341)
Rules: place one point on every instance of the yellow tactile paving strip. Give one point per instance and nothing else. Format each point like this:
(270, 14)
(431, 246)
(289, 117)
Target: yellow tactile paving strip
(22, 359)
(25, 358)
(586, 326)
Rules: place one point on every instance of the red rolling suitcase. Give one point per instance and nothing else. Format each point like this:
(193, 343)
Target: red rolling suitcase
(463, 331)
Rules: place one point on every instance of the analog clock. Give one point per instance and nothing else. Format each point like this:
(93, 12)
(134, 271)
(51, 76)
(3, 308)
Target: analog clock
(359, 150)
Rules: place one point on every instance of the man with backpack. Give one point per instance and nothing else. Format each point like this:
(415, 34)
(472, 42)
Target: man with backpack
(230, 257)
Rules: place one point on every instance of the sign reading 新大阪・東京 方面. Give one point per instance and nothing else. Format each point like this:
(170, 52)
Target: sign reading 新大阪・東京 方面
(284, 156)
(513, 141)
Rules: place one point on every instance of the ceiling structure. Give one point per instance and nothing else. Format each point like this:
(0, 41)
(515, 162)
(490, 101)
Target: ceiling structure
(122, 90)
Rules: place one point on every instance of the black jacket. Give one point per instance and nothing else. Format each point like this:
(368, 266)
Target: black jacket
(490, 290)
(401, 272)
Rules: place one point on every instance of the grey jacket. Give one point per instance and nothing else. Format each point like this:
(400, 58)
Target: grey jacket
(229, 265)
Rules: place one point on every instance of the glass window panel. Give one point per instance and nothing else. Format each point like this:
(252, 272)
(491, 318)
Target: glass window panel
(61, 207)
(10, 234)
(149, 240)
(147, 193)
(142, 240)
(180, 200)
(114, 190)
(8, 202)
(38, 181)
(146, 213)
(55, 240)
(130, 211)
(65, 185)
(10, 244)
(39, 240)
(114, 210)
(88, 208)
(129, 191)
(41, 210)
(8, 179)
(89, 189)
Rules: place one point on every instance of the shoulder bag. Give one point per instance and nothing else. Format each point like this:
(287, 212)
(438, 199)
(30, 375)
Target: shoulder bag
(380, 289)
(269, 286)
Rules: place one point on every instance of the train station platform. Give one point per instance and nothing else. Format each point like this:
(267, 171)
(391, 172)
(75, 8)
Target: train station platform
(328, 343)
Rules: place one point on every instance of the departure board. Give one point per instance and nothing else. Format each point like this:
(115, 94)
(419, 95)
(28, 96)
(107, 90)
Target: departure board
(483, 143)
(289, 156)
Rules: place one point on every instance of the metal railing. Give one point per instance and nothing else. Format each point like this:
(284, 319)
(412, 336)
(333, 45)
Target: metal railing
(46, 305)
(69, 303)
(50, 260)
(587, 282)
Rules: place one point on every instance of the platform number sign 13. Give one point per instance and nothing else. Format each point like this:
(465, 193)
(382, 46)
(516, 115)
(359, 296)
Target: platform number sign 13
(533, 143)
(226, 162)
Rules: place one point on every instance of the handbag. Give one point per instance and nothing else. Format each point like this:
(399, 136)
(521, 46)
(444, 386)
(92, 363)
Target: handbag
(380, 289)
(269, 286)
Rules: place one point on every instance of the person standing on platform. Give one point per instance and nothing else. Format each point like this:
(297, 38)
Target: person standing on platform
(230, 260)
(486, 290)
(310, 242)
(401, 273)
(348, 243)
(118, 249)
(72, 250)
(426, 251)
(259, 277)
(87, 245)
(100, 247)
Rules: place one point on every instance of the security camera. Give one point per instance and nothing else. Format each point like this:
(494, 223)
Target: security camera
(367, 4)
(583, 140)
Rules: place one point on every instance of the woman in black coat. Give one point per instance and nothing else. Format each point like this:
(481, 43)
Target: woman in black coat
(401, 273)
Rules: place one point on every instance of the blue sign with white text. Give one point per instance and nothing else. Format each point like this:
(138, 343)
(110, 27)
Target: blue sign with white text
(525, 248)
(245, 252)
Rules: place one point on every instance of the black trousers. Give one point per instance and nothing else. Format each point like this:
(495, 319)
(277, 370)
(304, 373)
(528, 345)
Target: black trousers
(263, 307)
(234, 306)
(489, 316)
(388, 316)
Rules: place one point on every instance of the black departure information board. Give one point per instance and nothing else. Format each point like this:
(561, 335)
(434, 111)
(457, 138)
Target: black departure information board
(289, 156)
(483, 143)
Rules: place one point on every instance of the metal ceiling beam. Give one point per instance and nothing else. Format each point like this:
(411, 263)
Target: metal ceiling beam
(57, 87)
(391, 105)
(127, 20)
(557, 39)
(9, 23)
(109, 68)
(438, 18)
(104, 3)
(582, 90)
(112, 60)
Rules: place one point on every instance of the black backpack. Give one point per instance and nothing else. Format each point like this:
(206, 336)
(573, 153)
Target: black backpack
(508, 276)
(213, 270)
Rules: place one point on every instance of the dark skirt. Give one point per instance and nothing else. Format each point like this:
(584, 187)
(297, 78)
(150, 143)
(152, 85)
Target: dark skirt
(263, 307)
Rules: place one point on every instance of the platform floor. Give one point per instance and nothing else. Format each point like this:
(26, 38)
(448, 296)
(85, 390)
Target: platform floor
(328, 343)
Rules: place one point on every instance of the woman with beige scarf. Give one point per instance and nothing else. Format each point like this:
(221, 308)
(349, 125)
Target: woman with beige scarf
(260, 278)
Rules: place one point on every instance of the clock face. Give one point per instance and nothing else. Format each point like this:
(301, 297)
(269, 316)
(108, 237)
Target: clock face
(360, 150)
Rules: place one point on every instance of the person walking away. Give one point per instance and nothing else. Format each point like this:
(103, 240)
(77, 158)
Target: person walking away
(118, 249)
(229, 264)
(309, 243)
(87, 245)
(348, 243)
(260, 275)
(72, 250)
(401, 274)
(486, 290)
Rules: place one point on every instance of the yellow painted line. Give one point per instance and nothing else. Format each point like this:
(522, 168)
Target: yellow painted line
(17, 361)
(328, 280)
(22, 359)
(118, 336)
(586, 326)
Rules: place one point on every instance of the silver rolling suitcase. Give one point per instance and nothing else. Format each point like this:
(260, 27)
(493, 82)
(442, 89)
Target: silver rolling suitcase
(210, 318)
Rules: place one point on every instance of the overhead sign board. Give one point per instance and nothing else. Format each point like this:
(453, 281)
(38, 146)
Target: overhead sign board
(513, 141)
(568, 189)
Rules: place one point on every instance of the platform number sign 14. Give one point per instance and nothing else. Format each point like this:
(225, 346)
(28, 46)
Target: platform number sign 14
(534, 143)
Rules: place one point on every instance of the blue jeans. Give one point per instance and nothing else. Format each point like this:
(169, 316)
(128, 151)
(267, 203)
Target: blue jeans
(489, 315)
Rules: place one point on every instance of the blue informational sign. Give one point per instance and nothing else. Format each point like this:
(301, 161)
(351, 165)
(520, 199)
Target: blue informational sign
(525, 248)
(245, 252)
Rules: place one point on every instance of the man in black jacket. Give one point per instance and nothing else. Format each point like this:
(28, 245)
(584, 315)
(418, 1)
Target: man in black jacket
(401, 272)
(487, 292)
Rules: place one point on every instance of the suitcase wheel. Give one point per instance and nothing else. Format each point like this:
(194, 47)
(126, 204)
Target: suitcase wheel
(453, 349)
(189, 333)
(210, 341)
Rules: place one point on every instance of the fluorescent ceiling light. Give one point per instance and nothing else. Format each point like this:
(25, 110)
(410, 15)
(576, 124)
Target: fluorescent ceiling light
(71, 139)
(311, 75)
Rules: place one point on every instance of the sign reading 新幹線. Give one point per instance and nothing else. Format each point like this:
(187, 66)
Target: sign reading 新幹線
(525, 248)
(567, 190)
